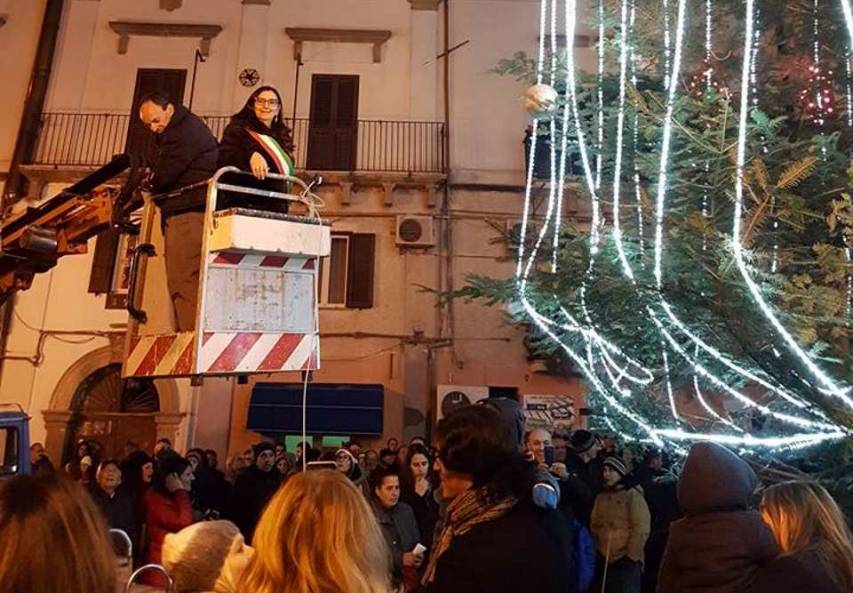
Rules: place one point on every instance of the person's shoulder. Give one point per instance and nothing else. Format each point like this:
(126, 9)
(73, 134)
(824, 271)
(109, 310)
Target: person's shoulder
(794, 573)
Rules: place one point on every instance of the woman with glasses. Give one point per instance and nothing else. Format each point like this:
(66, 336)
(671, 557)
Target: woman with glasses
(258, 141)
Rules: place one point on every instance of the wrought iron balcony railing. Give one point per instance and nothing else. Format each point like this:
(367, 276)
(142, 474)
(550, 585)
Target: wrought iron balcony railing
(71, 139)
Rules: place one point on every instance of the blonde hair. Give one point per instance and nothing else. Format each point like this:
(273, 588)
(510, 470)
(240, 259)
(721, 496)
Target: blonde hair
(803, 515)
(318, 535)
(54, 539)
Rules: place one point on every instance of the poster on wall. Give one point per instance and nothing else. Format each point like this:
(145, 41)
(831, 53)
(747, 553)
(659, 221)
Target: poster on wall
(549, 411)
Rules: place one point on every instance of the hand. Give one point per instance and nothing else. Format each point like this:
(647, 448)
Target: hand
(259, 165)
(412, 559)
(560, 470)
(174, 483)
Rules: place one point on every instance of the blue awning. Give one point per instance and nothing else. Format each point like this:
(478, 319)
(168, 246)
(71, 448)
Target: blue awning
(344, 409)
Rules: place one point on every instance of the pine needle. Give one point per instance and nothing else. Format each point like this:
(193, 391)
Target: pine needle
(759, 171)
(797, 173)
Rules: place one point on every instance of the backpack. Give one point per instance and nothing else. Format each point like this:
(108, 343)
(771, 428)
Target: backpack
(584, 558)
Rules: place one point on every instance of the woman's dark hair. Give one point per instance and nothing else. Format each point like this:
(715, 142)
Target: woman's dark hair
(280, 130)
(473, 441)
(407, 479)
(173, 464)
(131, 470)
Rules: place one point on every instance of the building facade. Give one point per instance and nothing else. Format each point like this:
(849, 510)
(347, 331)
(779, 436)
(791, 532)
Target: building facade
(422, 169)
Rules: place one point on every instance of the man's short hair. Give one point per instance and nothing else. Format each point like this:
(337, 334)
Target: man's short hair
(377, 477)
(158, 98)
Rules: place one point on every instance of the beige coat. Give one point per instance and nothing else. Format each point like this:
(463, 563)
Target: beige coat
(620, 524)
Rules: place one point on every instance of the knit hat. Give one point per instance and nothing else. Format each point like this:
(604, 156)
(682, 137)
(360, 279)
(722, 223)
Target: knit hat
(352, 458)
(616, 465)
(582, 441)
(194, 556)
(259, 448)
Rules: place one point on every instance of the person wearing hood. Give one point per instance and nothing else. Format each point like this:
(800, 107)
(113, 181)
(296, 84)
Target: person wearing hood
(620, 526)
(348, 466)
(253, 489)
(720, 545)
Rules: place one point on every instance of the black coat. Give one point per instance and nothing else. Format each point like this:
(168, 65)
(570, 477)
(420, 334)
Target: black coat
(252, 491)
(528, 550)
(186, 153)
(426, 512)
(719, 545)
(119, 510)
(401, 533)
(236, 150)
(797, 573)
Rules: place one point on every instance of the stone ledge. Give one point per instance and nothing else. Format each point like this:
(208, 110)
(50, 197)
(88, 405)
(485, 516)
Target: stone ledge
(126, 29)
(375, 37)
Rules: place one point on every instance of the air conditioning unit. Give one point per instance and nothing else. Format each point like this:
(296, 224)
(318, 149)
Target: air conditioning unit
(415, 231)
(451, 397)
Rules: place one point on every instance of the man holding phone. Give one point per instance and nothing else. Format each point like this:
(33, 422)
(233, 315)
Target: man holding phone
(575, 497)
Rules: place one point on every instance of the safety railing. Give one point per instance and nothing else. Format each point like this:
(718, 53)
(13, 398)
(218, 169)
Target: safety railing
(70, 139)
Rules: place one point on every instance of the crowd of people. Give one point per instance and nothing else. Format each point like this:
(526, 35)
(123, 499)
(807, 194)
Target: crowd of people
(484, 507)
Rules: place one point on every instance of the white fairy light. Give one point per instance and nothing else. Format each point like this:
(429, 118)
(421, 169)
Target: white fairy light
(746, 439)
(708, 408)
(673, 409)
(667, 44)
(599, 158)
(638, 194)
(737, 247)
(848, 18)
(620, 133)
(528, 187)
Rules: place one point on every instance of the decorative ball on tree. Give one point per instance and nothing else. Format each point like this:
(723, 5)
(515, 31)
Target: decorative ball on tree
(540, 101)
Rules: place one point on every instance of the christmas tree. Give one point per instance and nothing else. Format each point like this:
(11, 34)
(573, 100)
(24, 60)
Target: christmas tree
(709, 297)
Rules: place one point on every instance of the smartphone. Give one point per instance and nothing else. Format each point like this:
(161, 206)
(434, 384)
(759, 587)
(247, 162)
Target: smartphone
(314, 465)
(549, 455)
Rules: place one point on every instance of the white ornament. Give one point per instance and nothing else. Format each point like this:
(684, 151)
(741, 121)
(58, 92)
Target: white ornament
(540, 100)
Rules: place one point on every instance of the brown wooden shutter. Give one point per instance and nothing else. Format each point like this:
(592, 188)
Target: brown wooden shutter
(360, 271)
(103, 263)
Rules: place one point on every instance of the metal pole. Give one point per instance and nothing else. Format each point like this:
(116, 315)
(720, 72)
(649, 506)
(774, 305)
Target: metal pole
(199, 57)
(299, 65)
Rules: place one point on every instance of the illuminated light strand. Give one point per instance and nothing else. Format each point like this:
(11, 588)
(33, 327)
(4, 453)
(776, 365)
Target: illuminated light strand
(774, 262)
(699, 368)
(848, 18)
(620, 136)
(528, 187)
(668, 382)
(737, 247)
(709, 72)
(849, 63)
(599, 158)
(789, 442)
(667, 44)
(665, 148)
(708, 408)
(661, 200)
(638, 194)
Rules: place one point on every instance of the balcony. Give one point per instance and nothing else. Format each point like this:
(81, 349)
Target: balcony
(78, 141)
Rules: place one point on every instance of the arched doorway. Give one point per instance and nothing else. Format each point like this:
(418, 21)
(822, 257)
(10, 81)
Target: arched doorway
(117, 414)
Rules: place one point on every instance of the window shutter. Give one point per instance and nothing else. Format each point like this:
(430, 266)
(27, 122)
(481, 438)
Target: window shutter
(360, 271)
(103, 263)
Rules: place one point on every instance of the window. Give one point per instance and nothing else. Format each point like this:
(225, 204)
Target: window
(8, 451)
(346, 276)
(333, 273)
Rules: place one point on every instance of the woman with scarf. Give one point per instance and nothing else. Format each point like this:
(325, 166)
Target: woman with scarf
(492, 537)
(258, 141)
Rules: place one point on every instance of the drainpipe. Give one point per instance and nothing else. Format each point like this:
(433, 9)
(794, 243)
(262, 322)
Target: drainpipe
(28, 134)
(28, 131)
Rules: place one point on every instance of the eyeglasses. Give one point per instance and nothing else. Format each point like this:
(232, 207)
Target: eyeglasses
(268, 102)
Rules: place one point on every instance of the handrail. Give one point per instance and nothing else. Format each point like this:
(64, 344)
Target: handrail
(143, 249)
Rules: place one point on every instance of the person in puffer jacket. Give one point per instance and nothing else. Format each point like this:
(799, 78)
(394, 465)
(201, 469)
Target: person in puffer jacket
(620, 526)
(720, 545)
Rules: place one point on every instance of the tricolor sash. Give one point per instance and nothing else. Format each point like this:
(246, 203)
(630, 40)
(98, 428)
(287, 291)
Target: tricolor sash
(273, 149)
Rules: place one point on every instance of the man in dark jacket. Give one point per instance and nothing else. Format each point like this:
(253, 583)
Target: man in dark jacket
(399, 525)
(584, 461)
(116, 505)
(720, 545)
(186, 154)
(253, 489)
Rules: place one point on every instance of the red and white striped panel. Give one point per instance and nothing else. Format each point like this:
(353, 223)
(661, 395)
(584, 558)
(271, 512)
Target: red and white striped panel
(251, 260)
(255, 352)
(157, 356)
